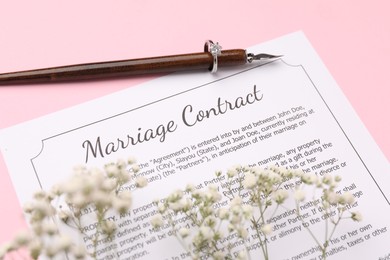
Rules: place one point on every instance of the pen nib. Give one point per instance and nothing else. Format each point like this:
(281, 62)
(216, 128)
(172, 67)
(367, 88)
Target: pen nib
(261, 56)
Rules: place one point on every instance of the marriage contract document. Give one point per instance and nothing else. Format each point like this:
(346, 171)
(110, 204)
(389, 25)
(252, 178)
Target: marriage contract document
(185, 126)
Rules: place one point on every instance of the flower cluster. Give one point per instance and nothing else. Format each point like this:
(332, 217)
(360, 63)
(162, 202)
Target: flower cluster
(249, 198)
(220, 221)
(333, 204)
(88, 194)
(201, 210)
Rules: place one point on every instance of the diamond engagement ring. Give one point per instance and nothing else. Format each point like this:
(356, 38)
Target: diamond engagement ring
(215, 50)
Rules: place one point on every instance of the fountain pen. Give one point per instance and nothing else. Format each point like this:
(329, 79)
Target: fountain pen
(210, 59)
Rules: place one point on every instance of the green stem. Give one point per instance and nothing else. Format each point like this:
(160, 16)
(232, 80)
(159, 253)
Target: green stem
(307, 228)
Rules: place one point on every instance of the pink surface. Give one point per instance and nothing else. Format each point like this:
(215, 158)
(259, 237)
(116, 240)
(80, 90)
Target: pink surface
(352, 37)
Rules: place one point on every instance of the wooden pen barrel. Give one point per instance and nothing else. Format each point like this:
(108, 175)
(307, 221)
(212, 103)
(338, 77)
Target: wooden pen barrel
(123, 68)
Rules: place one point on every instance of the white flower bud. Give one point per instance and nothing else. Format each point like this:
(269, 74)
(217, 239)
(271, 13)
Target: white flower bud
(223, 213)
(299, 195)
(120, 205)
(111, 170)
(231, 172)
(356, 216)
(79, 252)
(218, 255)
(206, 232)
(135, 168)
(64, 215)
(22, 239)
(4, 249)
(332, 197)
(247, 211)
(64, 242)
(266, 229)
(157, 221)
(249, 181)
(141, 182)
(108, 227)
(161, 207)
(280, 196)
(242, 255)
(131, 160)
(190, 187)
(242, 233)
(50, 228)
(347, 198)
(184, 232)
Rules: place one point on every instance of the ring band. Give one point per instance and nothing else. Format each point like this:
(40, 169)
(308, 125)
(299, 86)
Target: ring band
(215, 50)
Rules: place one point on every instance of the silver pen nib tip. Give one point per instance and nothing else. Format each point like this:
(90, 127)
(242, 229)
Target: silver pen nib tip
(261, 56)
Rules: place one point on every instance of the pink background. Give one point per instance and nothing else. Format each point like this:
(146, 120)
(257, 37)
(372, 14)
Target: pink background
(351, 36)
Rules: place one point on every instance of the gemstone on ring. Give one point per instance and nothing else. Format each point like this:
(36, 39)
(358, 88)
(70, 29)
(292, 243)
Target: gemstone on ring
(215, 50)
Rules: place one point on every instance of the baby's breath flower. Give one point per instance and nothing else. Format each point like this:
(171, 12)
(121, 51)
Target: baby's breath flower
(309, 178)
(190, 187)
(56, 190)
(242, 255)
(218, 255)
(223, 213)
(235, 219)
(64, 215)
(123, 176)
(242, 232)
(141, 182)
(50, 228)
(232, 172)
(22, 239)
(125, 195)
(109, 184)
(35, 248)
(327, 179)
(247, 211)
(206, 232)
(235, 201)
(131, 160)
(177, 205)
(40, 195)
(356, 216)
(51, 250)
(121, 163)
(28, 207)
(99, 198)
(184, 232)
(212, 194)
(175, 196)
(347, 198)
(4, 249)
(249, 181)
(274, 177)
(332, 197)
(280, 196)
(218, 173)
(108, 227)
(210, 221)
(63, 242)
(161, 207)
(299, 195)
(157, 221)
(120, 205)
(266, 229)
(135, 168)
(79, 252)
(41, 209)
(111, 170)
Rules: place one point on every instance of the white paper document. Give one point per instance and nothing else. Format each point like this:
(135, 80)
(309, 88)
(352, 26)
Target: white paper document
(185, 126)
